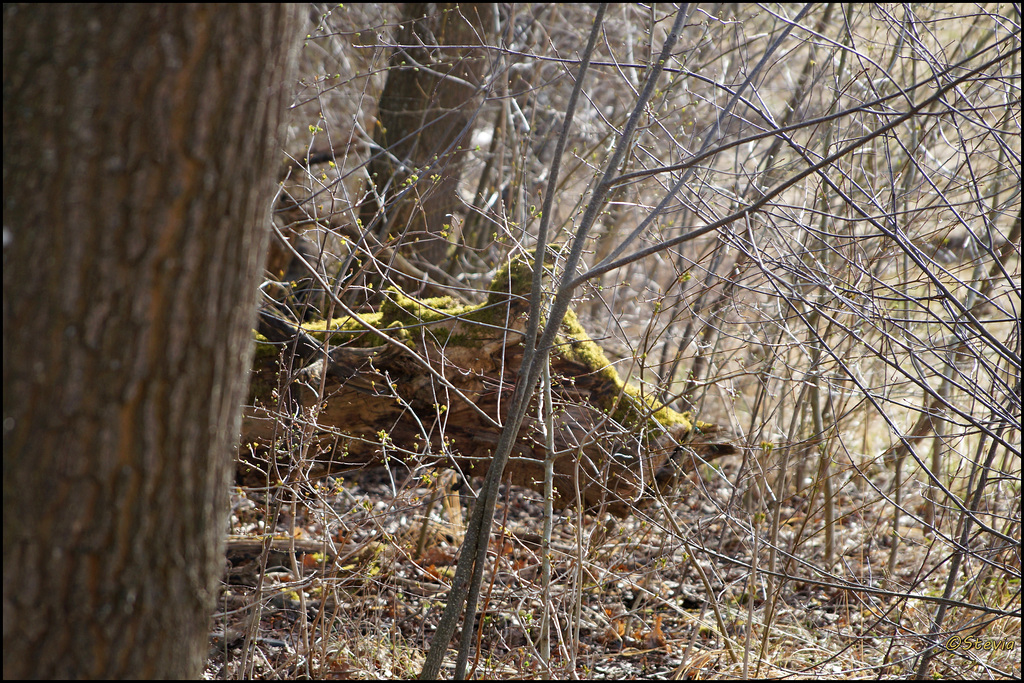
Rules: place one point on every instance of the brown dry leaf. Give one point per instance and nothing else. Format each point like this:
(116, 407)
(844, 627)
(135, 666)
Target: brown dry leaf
(656, 638)
(435, 555)
(614, 632)
(609, 635)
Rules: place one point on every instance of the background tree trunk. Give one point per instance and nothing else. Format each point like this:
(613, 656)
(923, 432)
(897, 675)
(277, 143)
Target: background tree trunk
(137, 157)
(425, 122)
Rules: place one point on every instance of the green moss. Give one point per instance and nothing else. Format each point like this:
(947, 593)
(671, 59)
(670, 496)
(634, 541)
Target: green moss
(448, 323)
(398, 307)
(628, 405)
(344, 324)
(515, 278)
(264, 349)
(346, 330)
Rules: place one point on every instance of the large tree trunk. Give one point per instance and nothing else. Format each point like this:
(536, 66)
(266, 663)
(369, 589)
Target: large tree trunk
(425, 121)
(379, 402)
(138, 147)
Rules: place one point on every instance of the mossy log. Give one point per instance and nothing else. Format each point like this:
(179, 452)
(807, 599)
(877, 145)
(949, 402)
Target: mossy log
(380, 402)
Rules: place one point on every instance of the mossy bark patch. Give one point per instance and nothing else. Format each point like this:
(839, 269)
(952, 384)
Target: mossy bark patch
(379, 400)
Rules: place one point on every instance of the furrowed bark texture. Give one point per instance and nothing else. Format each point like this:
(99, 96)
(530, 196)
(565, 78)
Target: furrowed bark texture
(138, 143)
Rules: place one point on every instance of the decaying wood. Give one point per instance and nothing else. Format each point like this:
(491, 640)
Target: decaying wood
(380, 403)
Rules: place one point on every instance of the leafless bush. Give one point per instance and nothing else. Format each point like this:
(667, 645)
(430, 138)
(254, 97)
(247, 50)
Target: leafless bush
(814, 238)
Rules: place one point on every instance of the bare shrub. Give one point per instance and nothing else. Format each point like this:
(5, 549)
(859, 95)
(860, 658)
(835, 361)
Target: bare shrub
(813, 238)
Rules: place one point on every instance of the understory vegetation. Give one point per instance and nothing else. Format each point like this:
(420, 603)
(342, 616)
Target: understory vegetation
(801, 228)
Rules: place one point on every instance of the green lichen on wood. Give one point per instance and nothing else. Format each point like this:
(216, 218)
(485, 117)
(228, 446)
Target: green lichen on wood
(406, 318)
(403, 317)
(628, 406)
(514, 278)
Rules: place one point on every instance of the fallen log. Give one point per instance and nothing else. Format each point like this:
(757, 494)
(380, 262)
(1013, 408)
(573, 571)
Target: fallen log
(440, 394)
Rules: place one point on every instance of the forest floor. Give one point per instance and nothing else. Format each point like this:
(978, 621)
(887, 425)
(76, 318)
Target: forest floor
(348, 584)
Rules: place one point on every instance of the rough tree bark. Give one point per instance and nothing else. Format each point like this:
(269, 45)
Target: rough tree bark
(138, 148)
(379, 402)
